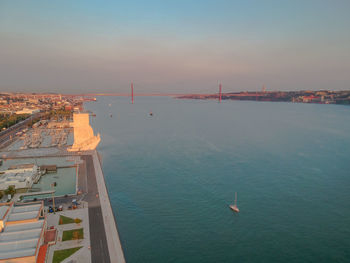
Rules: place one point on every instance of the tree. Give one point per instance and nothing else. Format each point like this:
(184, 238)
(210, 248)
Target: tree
(10, 190)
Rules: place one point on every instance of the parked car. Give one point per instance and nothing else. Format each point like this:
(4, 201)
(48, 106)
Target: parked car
(75, 202)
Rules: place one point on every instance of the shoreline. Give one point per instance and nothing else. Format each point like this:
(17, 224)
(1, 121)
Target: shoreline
(115, 249)
(303, 96)
(113, 241)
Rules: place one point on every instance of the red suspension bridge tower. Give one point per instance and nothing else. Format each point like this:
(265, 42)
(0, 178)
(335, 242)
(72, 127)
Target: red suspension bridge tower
(132, 93)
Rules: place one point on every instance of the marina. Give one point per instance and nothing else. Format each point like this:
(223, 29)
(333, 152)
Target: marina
(43, 138)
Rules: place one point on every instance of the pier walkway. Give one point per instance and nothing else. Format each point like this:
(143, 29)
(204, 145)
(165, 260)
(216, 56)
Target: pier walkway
(105, 243)
(114, 245)
(98, 240)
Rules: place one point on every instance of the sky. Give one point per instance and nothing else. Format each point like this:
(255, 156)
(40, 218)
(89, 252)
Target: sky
(183, 46)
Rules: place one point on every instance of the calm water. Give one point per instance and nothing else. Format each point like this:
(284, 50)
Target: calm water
(171, 177)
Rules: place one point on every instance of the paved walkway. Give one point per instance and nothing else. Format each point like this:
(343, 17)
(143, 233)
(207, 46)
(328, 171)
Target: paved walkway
(99, 247)
(42, 254)
(82, 255)
(114, 245)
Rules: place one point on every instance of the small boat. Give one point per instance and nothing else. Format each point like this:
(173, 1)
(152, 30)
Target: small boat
(234, 206)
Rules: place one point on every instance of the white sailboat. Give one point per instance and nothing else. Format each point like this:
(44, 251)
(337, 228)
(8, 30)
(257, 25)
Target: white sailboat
(234, 206)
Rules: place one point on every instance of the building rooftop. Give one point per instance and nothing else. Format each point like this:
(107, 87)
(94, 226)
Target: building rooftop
(19, 176)
(3, 210)
(25, 212)
(21, 238)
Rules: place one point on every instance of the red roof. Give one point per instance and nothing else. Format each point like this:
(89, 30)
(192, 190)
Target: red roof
(42, 254)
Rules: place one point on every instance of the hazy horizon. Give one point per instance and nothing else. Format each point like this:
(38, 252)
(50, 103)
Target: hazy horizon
(173, 47)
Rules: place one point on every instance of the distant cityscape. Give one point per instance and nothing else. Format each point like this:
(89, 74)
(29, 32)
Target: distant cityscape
(23, 103)
(304, 96)
(15, 107)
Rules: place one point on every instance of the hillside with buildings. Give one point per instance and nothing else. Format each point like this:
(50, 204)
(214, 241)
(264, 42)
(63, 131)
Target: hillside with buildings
(305, 96)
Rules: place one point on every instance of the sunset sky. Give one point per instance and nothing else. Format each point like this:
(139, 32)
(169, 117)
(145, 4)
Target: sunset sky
(181, 46)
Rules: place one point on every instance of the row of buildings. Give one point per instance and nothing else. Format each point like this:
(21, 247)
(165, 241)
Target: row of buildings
(305, 96)
(20, 103)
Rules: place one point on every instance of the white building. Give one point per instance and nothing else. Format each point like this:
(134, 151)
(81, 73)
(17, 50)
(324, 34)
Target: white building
(20, 176)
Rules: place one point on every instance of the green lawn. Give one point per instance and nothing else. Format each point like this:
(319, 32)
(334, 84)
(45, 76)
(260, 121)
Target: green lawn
(68, 220)
(60, 255)
(73, 234)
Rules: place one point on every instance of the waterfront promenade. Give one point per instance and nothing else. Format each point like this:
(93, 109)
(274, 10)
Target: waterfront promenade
(114, 246)
(105, 242)
(98, 240)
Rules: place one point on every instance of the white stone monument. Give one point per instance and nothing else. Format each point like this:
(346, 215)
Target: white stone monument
(84, 138)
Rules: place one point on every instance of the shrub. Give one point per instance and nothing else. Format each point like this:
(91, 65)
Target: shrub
(10, 190)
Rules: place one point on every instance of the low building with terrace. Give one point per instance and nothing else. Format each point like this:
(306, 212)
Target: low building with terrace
(20, 176)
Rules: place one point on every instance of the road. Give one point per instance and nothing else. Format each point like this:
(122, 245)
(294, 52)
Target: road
(5, 135)
(99, 247)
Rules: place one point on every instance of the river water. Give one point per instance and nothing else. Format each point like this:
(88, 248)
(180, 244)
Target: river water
(171, 176)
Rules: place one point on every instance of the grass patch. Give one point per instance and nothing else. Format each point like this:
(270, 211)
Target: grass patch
(60, 255)
(65, 220)
(68, 220)
(73, 234)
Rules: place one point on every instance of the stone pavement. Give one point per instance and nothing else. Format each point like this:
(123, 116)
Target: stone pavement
(98, 239)
(83, 254)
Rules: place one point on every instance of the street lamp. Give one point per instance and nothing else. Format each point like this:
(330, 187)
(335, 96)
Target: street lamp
(54, 184)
